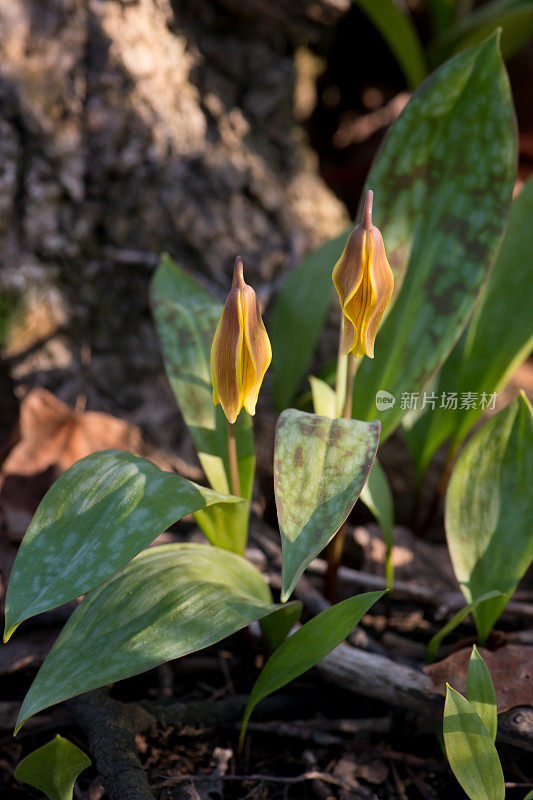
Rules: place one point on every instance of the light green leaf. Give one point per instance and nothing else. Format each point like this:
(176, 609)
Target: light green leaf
(298, 315)
(456, 620)
(320, 467)
(484, 360)
(513, 17)
(397, 28)
(167, 602)
(324, 398)
(53, 768)
(96, 517)
(186, 316)
(470, 750)
(488, 513)
(305, 648)
(529, 796)
(442, 209)
(480, 693)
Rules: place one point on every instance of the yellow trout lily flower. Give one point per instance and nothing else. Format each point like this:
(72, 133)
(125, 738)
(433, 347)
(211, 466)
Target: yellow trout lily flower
(364, 282)
(241, 352)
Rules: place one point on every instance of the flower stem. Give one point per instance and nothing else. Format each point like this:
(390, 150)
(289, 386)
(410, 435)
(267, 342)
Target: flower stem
(233, 462)
(336, 546)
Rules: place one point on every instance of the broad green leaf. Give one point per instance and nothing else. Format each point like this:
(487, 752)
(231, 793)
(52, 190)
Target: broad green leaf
(480, 693)
(529, 796)
(324, 398)
(53, 768)
(498, 339)
(186, 316)
(470, 750)
(298, 315)
(320, 467)
(443, 208)
(513, 17)
(309, 645)
(397, 28)
(96, 517)
(169, 601)
(456, 620)
(488, 513)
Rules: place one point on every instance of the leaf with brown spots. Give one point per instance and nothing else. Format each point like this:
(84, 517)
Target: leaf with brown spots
(320, 468)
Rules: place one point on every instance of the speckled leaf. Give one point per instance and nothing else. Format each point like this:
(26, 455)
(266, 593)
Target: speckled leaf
(492, 349)
(320, 467)
(96, 517)
(309, 645)
(489, 514)
(53, 768)
(470, 750)
(167, 602)
(186, 316)
(441, 208)
(442, 183)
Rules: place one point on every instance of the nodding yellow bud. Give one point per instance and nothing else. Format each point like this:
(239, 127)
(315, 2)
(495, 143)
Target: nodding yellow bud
(364, 282)
(241, 352)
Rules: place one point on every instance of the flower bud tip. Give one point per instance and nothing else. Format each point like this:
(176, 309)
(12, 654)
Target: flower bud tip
(366, 220)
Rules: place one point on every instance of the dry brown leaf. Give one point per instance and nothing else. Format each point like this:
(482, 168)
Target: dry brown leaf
(511, 669)
(52, 437)
(52, 434)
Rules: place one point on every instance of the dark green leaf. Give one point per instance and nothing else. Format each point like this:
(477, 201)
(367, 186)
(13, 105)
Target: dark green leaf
(276, 626)
(480, 693)
(167, 602)
(498, 339)
(320, 467)
(96, 517)
(441, 208)
(470, 750)
(307, 647)
(488, 515)
(53, 768)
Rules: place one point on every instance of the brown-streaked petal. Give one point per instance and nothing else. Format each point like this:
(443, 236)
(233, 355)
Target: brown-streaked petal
(226, 356)
(383, 284)
(257, 348)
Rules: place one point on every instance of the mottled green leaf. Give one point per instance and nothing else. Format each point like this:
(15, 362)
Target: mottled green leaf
(498, 339)
(456, 620)
(470, 750)
(489, 515)
(298, 314)
(320, 467)
(513, 17)
(305, 648)
(441, 208)
(96, 517)
(397, 28)
(186, 316)
(480, 693)
(53, 768)
(167, 602)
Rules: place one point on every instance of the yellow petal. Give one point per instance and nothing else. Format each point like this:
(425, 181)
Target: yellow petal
(257, 349)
